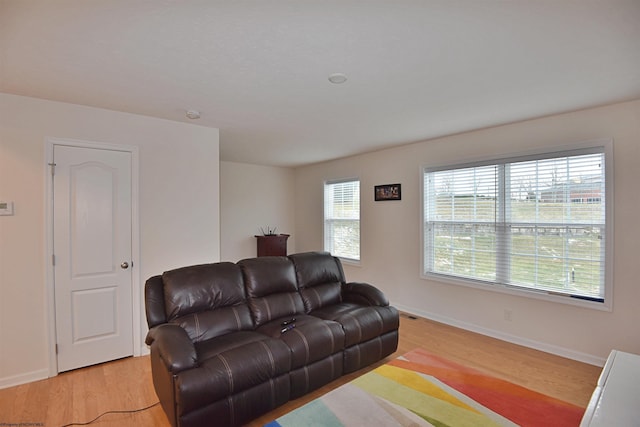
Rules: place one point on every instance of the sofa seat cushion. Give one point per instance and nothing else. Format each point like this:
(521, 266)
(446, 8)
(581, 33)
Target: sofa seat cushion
(310, 340)
(360, 323)
(207, 324)
(228, 365)
(213, 347)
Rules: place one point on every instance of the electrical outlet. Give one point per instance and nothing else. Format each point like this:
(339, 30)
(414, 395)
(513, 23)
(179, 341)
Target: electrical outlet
(508, 315)
(6, 208)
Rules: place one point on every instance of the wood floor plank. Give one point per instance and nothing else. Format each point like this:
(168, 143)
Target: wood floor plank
(83, 394)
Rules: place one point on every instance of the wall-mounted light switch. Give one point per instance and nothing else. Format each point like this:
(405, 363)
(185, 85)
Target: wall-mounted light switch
(6, 208)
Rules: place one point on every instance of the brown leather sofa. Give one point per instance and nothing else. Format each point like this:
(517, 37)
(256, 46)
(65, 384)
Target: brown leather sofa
(230, 342)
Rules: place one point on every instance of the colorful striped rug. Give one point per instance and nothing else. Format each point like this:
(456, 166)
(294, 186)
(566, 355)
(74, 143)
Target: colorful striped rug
(421, 389)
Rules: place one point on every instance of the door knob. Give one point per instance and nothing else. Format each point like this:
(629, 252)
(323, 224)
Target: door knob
(124, 265)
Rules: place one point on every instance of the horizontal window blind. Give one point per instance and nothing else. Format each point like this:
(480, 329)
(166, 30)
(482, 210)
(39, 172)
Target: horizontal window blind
(342, 218)
(533, 223)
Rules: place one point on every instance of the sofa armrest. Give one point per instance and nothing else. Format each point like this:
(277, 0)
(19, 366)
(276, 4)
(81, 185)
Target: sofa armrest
(174, 347)
(364, 293)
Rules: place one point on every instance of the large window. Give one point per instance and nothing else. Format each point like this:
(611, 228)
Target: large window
(342, 218)
(537, 223)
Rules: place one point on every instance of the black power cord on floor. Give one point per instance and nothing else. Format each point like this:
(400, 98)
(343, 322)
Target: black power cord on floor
(132, 411)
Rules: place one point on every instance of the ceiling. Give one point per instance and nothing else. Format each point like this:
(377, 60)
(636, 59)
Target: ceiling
(258, 70)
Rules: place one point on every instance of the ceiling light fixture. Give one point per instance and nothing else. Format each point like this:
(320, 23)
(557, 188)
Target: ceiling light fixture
(337, 78)
(193, 114)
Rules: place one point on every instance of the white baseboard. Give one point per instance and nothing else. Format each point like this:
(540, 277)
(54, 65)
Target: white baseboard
(42, 374)
(537, 345)
(145, 350)
(28, 377)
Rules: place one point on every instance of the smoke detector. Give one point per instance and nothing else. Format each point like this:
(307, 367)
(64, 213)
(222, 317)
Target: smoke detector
(337, 78)
(193, 114)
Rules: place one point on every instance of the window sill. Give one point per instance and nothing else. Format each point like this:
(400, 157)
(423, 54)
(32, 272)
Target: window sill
(350, 261)
(526, 293)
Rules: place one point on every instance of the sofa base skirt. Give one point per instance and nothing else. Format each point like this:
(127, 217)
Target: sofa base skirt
(164, 385)
(242, 407)
(364, 354)
(315, 375)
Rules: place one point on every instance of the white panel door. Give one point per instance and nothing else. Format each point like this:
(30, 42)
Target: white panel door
(92, 253)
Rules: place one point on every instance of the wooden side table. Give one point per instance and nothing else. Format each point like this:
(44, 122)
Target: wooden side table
(272, 245)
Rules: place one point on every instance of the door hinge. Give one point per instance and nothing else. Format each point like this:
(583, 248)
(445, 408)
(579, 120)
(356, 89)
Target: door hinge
(53, 168)
(56, 348)
(53, 259)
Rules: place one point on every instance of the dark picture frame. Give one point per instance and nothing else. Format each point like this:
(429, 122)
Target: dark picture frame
(387, 192)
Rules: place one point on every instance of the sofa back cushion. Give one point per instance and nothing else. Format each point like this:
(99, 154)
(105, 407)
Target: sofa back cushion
(320, 278)
(207, 300)
(154, 301)
(271, 288)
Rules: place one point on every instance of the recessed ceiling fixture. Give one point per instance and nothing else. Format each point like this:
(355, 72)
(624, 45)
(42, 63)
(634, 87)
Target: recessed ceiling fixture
(337, 78)
(193, 114)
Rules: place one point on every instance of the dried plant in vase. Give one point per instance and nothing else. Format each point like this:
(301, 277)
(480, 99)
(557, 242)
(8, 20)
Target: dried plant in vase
(269, 232)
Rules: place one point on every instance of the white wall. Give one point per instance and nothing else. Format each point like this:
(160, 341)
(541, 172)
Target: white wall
(251, 197)
(390, 233)
(179, 209)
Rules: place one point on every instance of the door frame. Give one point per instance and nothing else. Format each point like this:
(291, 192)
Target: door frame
(136, 294)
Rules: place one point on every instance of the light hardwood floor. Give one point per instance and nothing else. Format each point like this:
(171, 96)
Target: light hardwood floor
(81, 395)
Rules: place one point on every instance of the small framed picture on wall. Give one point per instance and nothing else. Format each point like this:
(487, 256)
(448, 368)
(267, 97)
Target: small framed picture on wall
(387, 192)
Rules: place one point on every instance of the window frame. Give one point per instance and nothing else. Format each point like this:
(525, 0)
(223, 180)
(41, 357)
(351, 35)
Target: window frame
(603, 145)
(349, 260)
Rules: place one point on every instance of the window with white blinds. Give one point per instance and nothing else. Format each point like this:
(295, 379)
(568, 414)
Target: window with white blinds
(342, 218)
(537, 223)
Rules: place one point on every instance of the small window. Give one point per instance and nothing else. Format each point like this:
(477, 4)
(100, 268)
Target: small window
(534, 223)
(342, 218)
